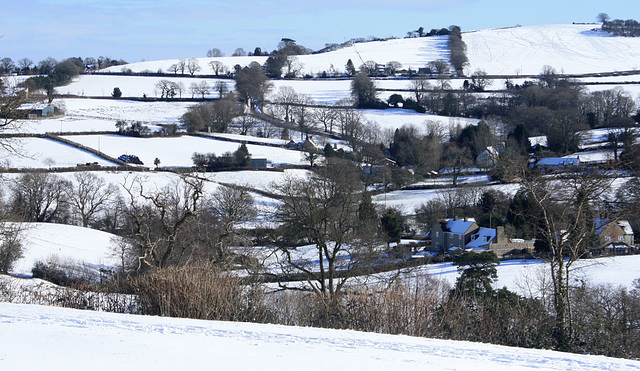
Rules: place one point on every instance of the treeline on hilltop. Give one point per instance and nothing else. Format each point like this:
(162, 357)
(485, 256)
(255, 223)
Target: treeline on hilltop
(49, 73)
(629, 27)
(26, 66)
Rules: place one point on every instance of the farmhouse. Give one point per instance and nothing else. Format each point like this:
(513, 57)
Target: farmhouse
(614, 237)
(452, 234)
(447, 234)
(35, 113)
(488, 158)
(550, 164)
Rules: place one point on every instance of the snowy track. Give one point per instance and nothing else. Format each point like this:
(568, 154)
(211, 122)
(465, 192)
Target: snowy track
(37, 337)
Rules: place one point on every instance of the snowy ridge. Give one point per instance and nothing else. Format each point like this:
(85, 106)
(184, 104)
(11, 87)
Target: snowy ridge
(414, 53)
(569, 48)
(102, 341)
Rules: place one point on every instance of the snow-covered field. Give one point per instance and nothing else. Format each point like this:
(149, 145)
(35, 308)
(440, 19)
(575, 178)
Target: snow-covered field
(178, 151)
(67, 244)
(104, 341)
(148, 112)
(391, 119)
(46, 153)
(567, 48)
(409, 200)
(261, 180)
(68, 124)
(132, 86)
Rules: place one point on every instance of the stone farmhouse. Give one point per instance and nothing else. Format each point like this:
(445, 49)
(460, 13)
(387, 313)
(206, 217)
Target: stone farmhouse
(451, 234)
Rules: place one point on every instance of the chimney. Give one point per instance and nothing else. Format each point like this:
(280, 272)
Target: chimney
(500, 238)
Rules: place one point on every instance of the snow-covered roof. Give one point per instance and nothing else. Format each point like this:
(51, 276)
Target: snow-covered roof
(459, 226)
(558, 161)
(626, 226)
(600, 224)
(482, 237)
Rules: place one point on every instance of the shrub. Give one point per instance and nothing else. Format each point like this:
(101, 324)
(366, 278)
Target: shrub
(64, 273)
(10, 250)
(203, 292)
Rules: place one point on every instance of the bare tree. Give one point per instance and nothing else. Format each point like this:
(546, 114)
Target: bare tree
(193, 88)
(609, 107)
(158, 216)
(25, 64)
(180, 88)
(351, 124)
(323, 210)
(222, 88)
(292, 67)
(46, 65)
(393, 67)
(7, 65)
(370, 68)
(174, 68)
(182, 63)
(39, 197)
(10, 233)
(564, 208)
(217, 67)
(214, 53)
(11, 247)
(285, 98)
(230, 207)
(193, 66)
(10, 101)
(419, 87)
(245, 123)
(201, 88)
(168, 89)
(327, 116)
(239, 52)
(303, 114)
(442, 71)
(479, 80)
(602, 17)
(89, 195)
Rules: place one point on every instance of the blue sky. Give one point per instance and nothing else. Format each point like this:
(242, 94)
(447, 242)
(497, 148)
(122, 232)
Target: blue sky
(137, 30)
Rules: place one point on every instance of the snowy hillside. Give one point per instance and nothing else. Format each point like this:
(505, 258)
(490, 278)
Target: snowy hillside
(107, 341)
(567, 48)
(412, 53)
(66, 244)
(525, 50)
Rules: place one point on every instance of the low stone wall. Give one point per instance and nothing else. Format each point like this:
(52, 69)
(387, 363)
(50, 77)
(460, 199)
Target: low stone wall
(503, 248)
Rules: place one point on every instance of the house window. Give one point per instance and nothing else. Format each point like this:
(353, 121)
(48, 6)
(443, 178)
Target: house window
(620, 238)
(607, 238)
(437, 234)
